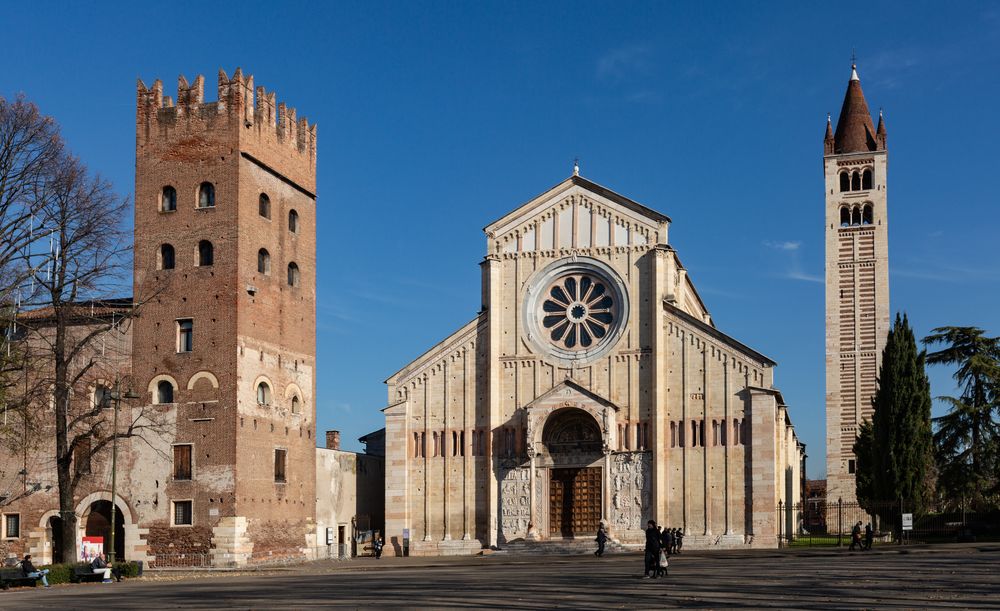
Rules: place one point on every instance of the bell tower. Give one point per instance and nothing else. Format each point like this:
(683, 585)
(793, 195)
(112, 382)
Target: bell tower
(857, 278)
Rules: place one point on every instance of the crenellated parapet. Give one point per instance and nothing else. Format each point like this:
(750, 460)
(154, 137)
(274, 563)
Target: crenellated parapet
(240, 107)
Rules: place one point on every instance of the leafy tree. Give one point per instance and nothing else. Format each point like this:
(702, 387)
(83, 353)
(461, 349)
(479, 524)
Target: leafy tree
(967, 438)
(864, 469)
(901, 445)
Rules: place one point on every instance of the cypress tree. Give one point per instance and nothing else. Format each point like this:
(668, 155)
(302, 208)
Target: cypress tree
(902, 443)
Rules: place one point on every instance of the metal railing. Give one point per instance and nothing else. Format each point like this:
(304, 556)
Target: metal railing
(821, 523)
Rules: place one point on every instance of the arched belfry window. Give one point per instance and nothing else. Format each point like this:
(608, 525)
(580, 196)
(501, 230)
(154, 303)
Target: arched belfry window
(855, 216)
(264, 206)
(166, 256)
(845, 182)
(168, 199)
(855, 181)
(866, 179)
(845, 216)
(206, 195)
(293, 221)
(206, 253)
(264, 262)
(866, 214)
(293, 274)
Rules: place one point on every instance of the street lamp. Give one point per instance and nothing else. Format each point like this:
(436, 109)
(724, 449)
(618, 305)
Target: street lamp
(115, 396)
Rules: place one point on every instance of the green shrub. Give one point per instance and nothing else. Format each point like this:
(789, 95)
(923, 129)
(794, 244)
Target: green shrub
(60, 573)
(128, 569)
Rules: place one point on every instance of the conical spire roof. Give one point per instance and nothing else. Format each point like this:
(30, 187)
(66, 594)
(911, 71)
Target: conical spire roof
(855, 131)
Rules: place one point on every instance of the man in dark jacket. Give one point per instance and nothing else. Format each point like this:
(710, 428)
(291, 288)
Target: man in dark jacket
(652, 550)
(602, 538)
(31, 572)
(678, 540)
(869, 536)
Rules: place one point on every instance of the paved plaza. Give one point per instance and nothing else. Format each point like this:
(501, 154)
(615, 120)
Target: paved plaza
(946, 577)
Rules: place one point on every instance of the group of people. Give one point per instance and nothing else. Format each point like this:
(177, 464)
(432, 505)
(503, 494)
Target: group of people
(856, 537)
(660, 543)
(99, 565)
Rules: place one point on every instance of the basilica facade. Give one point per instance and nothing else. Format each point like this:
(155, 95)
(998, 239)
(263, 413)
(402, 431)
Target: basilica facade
(592, 387)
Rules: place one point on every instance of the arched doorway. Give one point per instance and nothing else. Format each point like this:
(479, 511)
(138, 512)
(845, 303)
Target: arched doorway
(55, 535)
(573, 440)
(99, 525)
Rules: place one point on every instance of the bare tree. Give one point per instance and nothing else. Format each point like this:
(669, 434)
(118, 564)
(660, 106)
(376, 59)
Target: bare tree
(29, 146)
(71, 324)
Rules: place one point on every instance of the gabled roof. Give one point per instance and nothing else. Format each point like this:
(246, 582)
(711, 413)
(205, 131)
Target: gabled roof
(576, 386)
(593, 187)
(855, 131)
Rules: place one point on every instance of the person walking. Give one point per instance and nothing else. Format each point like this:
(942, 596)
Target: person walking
(869, 536)
(667, 540)
(652, 550)
(856, 537)
(377, 545)
(662, 562)
(679, 538)
(602, 538)
(31, 572)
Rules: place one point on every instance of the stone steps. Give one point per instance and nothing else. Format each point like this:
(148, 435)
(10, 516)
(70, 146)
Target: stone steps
(558, 547)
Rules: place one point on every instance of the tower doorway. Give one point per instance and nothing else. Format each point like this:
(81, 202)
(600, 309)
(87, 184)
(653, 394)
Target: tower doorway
(99, 525)
(55, 534)
(574, 501)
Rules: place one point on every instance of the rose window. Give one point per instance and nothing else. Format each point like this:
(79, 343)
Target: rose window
(578, 311)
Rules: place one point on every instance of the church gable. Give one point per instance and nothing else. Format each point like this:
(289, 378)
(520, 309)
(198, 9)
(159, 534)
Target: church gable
(577, 214)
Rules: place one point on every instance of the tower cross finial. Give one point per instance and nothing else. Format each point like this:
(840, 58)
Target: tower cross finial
(576, 166)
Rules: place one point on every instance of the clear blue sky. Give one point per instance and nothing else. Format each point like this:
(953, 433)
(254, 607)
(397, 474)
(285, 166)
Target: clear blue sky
(435, 119)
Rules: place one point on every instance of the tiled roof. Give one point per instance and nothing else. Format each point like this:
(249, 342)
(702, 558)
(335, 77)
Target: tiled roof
(855, 131)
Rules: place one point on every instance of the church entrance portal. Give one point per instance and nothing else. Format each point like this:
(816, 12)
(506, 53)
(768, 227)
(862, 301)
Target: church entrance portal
(574, 501)
(574, 443)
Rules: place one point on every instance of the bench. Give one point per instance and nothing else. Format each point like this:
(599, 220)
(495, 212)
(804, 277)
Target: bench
(14, 577)
(81, 574)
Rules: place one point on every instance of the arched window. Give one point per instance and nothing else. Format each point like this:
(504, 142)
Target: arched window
(102, 396)
(845, 217)
(164, 392)
(168, 199)
(206, 253)
(206, 195)
(845, 182)
(855, 216)
(264, 262)
(293, 221)
(264, 206)
(166, 256)
(293, 274)
(866, 215)
(866, 179)
(263, 394)
(855, 181)
(295, 404)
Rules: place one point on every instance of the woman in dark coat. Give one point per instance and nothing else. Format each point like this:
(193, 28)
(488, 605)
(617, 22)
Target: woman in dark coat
(602, 538)
(652, 550)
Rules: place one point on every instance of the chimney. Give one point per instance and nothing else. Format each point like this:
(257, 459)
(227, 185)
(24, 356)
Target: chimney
(333, 440)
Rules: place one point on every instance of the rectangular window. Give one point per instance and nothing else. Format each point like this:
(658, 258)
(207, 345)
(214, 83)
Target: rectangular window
(182, 462)
(851, 466)
(185, 335)
(81, 457)
(183, 513)
(279, 466)
(12, 525)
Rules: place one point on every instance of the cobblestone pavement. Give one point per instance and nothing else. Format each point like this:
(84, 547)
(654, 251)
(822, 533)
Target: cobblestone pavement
(946, 577)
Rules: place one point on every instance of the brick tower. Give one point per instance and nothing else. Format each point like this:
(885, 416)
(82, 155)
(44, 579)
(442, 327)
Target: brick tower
(225, 268)
(857, 279)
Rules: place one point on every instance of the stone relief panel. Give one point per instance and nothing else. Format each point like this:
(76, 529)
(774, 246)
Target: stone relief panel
(631, 478)
(515, 506)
